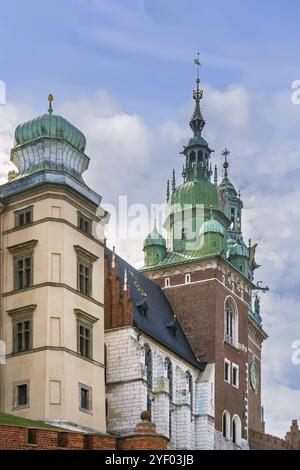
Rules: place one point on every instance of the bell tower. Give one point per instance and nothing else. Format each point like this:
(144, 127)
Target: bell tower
(207, 273)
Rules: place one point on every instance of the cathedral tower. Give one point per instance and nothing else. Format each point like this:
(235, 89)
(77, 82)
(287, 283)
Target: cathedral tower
(207, 273)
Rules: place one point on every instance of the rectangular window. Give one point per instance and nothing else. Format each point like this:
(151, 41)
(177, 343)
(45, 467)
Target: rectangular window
(167, 282)
(22, 335)
(23, 272)
(85, 398)
(84, 278)
(227, 370)
(235, 375)
(85, 340)
(21, 395)
(23, 217)
(84, 224)
(187, 278)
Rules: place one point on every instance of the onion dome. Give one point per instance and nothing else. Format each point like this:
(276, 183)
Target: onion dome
(238, 249)
(155, 238)
(49, 126)
(196, 192)
(212, 226)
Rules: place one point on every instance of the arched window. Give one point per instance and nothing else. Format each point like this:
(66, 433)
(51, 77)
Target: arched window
(200, 156)
(231, 323)
(191, 389)
(170, 380)
(226, 424)
(148, 370)
(236, 430)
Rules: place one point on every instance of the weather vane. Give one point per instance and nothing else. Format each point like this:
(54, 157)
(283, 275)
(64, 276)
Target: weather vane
(198, 63)
(197, 94)
(50, 99)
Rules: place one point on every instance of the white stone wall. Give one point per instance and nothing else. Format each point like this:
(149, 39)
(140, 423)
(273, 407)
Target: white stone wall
(126, 391)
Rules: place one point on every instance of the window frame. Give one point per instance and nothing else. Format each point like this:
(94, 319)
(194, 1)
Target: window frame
(187, 278)
(88, 389)
(167, 282)
(231, 322)
(17, 260)
(16, 385)
(23, 212)
(22, 320)
(235, 367)
(86, 220)
(86, 327)
(87, 260)
(86, 279)
(227, 363)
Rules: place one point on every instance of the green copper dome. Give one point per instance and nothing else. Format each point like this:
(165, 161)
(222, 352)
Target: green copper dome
(50, 126)
(212, 226)
(155, 238)
(238, 249)
(196, 192)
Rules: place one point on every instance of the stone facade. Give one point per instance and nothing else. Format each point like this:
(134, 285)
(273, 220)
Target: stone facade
(192, 418)
(202, 315)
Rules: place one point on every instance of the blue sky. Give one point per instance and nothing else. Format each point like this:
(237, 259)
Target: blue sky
(123, 72)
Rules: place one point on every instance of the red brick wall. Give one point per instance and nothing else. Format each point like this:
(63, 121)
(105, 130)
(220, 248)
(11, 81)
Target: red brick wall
(16, 438)
(261, 441)
(200, 309)
(143, 443)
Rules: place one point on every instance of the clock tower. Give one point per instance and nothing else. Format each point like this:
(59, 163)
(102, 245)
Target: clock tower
(207, 272)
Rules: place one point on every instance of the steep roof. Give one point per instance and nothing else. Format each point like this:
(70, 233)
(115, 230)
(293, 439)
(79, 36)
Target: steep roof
(153, 313)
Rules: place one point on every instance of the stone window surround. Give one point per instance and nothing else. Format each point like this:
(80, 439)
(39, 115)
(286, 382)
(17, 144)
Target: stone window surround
(89, 389)
(88, 259)
(89, 221)
(22, 250)
(86, 320)
(22, 313)
(15, 405)
(18, 212)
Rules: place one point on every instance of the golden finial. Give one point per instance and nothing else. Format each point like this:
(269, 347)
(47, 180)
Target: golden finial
(50, 99)
(225, 154)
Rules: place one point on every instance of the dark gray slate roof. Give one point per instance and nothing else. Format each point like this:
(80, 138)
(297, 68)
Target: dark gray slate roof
(153, 313)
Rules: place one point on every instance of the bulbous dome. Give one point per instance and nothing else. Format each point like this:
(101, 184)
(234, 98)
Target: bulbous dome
(155, 238)
(228, 188)
(51, 126)
(238, 249)
(196, 192)
(212, 226)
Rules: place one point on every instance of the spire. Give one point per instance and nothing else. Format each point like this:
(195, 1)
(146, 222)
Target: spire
(225, 154)
(197, 122)
(168, 190)
(216, 176)
(50, 99)
(173, 181)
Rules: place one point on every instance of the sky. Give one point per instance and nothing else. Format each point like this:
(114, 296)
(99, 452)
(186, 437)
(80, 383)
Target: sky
(123, 72)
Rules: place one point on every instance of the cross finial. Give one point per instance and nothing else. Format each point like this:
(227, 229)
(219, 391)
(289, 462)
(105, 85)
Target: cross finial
(50, 99)
(198, 63)
(197, 94)
(225, 154)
